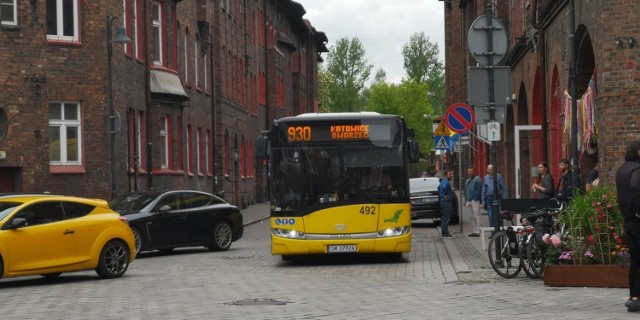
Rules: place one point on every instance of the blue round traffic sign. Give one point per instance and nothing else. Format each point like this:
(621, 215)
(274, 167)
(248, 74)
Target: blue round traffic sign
(459, 117)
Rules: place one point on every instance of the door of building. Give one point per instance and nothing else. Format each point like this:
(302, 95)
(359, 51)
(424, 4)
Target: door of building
(8, 179)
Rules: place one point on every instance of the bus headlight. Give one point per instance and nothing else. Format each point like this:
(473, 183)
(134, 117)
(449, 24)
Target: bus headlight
(393, 232)
(288, 233)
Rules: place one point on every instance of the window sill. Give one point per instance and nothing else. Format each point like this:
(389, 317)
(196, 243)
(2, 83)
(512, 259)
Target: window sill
(58, 169)
(166, 172)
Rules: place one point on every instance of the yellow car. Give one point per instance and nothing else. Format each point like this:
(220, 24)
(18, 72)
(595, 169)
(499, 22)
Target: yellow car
(49, 235)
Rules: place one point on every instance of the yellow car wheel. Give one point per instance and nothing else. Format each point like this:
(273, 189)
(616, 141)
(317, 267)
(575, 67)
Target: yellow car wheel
(114, 260)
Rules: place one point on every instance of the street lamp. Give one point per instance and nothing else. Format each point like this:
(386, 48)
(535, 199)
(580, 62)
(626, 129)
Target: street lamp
(121, 37)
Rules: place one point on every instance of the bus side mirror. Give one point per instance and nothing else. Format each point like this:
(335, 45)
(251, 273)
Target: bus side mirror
(262, 147)
(414, 151)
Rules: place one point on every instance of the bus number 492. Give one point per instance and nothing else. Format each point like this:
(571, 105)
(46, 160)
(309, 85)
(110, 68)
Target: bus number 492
(368, 210)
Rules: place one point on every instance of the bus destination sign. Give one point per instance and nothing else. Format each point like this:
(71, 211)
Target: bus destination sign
(337, 132)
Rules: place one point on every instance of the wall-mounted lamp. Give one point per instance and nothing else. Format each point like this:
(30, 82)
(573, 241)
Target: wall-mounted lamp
(623, 41)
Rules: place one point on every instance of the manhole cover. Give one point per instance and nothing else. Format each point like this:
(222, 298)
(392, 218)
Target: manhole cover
(258, 302)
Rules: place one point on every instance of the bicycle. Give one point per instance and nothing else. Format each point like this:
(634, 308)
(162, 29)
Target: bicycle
(536, 248)
(515, 249)
(506, 251)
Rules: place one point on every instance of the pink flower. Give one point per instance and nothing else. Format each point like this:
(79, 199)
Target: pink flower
(546, 239)
(555, 240)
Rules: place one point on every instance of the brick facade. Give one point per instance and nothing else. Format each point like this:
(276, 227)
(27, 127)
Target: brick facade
(217, 49)
(539, 58)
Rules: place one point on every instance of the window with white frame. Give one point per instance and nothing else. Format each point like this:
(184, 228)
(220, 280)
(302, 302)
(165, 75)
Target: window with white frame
(206, 74)
(62, 20)
(134, 31)
(186, 55)
(206, 152)
(196, 55)
(198, 147)
(157, 23)
(65, 134)
(9, 12)
(164, 141)
(189, 152)
(139, 138)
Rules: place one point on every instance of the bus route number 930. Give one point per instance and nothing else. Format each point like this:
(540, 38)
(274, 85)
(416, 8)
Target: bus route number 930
(367, 210)
(299, 133)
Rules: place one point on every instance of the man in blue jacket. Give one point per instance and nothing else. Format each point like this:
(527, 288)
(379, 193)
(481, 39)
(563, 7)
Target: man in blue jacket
(472, 197)
(488, 195)
(446, 203)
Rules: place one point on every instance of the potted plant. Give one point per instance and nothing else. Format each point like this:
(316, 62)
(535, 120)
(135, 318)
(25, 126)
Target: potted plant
(591, 250)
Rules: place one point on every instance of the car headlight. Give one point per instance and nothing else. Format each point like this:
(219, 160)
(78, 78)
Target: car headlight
(393, 232)
(288, 233)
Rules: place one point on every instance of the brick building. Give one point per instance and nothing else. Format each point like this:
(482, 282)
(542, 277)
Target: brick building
(199, 80)
(607, 79)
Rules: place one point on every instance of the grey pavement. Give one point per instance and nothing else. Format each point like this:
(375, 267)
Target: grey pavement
(465, 253)
(439, 279)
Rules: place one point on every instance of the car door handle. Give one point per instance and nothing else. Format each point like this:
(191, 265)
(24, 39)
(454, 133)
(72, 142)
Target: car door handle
(68, 232)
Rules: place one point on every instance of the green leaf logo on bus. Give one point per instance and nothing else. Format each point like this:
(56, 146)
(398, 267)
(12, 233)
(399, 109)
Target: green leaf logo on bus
(396, 216)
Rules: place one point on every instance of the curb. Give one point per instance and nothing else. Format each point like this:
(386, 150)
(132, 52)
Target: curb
(250, 222)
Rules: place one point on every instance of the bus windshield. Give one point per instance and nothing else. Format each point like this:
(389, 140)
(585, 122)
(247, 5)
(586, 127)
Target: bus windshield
(308, 176)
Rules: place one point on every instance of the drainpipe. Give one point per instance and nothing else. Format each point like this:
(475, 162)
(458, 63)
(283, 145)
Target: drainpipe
(214, 97)
(147, 72)
(542, 62)
(575, 166)
(266, 68)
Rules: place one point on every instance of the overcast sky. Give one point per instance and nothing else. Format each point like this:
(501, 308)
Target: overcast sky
(383, 26)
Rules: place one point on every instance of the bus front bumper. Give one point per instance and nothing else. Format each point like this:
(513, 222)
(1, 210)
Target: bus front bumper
(285, 246)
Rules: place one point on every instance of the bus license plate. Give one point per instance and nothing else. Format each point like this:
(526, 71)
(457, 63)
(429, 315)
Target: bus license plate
(341, 248)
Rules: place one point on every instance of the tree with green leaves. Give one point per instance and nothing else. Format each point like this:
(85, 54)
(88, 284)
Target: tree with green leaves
(422, 66)
(408, 99)
(325, 81)
(350, 71)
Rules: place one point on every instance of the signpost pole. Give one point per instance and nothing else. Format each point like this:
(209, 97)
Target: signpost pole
(492, 116)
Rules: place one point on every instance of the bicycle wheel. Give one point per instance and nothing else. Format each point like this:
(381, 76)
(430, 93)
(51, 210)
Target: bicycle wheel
(505, 261)
(527, 266)
(536, 257)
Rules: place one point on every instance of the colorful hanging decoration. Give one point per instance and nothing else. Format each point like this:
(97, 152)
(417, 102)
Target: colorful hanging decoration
(587, 130)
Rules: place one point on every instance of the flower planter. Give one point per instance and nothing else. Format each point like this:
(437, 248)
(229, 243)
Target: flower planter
(597, 275)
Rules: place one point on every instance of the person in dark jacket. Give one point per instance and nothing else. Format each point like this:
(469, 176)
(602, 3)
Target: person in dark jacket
(628, 192)
(545, 186)
(446, 203)
(565, 184)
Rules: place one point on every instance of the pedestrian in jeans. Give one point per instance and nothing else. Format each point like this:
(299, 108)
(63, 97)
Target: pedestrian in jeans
(488, 194)
(472, 197)
(446, 203)
(628, 192)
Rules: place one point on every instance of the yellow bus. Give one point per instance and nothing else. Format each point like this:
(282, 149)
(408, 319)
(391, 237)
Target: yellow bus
(339, 183)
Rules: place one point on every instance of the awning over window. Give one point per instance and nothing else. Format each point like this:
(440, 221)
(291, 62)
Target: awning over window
(167, 86)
